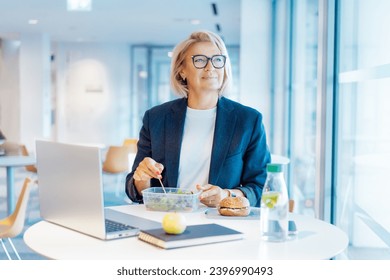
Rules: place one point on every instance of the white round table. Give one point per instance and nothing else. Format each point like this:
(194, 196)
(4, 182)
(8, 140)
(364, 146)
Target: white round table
(315, 240)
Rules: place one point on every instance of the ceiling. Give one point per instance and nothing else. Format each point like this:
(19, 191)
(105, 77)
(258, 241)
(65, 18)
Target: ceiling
(159, 22)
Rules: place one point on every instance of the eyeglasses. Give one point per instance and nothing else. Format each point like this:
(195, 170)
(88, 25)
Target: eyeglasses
(200, 61)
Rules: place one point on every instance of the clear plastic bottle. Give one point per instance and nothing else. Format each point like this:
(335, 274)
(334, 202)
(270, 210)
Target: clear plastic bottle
(274, 205)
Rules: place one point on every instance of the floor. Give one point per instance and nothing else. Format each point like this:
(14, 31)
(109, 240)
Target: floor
(112, 196)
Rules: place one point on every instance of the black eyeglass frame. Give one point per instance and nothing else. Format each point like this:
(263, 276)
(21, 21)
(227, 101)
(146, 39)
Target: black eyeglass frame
(209, 59)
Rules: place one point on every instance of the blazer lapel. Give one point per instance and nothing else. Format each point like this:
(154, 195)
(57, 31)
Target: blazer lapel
(224, 127)
(174, 126)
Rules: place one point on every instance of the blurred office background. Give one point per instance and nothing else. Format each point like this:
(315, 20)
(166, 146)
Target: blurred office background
(319, 71)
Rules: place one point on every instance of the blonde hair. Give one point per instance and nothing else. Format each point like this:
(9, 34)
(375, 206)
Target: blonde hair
(178, 57)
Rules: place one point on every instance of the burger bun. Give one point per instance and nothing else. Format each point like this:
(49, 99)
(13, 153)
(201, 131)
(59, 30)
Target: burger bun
(234, 206)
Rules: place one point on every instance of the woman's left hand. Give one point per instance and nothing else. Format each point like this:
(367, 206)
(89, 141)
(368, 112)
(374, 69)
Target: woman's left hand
(211, 195)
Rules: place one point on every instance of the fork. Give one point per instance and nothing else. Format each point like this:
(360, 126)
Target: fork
(162, 185)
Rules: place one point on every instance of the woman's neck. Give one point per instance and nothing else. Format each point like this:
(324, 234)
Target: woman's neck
(202, 102)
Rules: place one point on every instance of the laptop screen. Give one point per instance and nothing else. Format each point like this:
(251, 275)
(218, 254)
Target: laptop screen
(70, 186)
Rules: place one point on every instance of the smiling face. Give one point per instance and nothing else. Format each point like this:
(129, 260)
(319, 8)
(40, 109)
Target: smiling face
(206, 81)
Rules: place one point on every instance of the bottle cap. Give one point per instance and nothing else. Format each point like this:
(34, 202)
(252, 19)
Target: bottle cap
(274, 167)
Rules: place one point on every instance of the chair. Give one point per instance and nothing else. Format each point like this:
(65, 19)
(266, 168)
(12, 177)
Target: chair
(131, 142)
(117, 162)
(2, 140)
(11, 148)
(291, 205)
(14, 223)
(29, 168)
(2, 137)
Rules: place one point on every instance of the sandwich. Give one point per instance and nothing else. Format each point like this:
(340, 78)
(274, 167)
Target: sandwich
(234, 206)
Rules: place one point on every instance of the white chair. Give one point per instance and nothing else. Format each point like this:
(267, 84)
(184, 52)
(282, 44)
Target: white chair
(13, 225)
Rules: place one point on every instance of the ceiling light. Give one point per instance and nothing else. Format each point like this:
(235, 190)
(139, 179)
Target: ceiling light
(79, 5)
(195, 21)
(33, 21)
(143, 74)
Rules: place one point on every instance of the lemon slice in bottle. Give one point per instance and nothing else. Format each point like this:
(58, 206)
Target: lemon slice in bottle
(270, 199)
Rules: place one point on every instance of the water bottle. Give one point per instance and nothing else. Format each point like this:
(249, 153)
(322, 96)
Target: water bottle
(274, 206)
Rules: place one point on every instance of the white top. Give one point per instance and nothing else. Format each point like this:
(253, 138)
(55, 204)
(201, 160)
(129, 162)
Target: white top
(315, 240)
(195, 154)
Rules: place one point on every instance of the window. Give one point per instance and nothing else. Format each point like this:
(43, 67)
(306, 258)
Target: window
(294, 100)
(363, 128)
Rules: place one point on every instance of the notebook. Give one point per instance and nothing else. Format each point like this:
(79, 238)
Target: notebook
(192, 236)
(71, 192)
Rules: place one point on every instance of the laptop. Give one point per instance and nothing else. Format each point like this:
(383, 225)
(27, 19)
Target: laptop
(71, 192)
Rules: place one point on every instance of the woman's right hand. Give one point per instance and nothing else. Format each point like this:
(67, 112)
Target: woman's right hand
(147, 169)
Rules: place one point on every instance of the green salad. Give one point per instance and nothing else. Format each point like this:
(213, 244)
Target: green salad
(174, 200)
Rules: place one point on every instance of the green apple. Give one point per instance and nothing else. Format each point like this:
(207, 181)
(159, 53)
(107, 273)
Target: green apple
(174, 223)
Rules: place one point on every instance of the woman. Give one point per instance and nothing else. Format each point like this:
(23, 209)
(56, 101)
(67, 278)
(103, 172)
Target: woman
(202, 141)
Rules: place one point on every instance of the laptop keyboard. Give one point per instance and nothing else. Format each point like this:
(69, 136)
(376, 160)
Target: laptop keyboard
(113, 226)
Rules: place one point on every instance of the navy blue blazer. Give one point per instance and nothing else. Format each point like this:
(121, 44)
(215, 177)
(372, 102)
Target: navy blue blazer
(239, 154)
